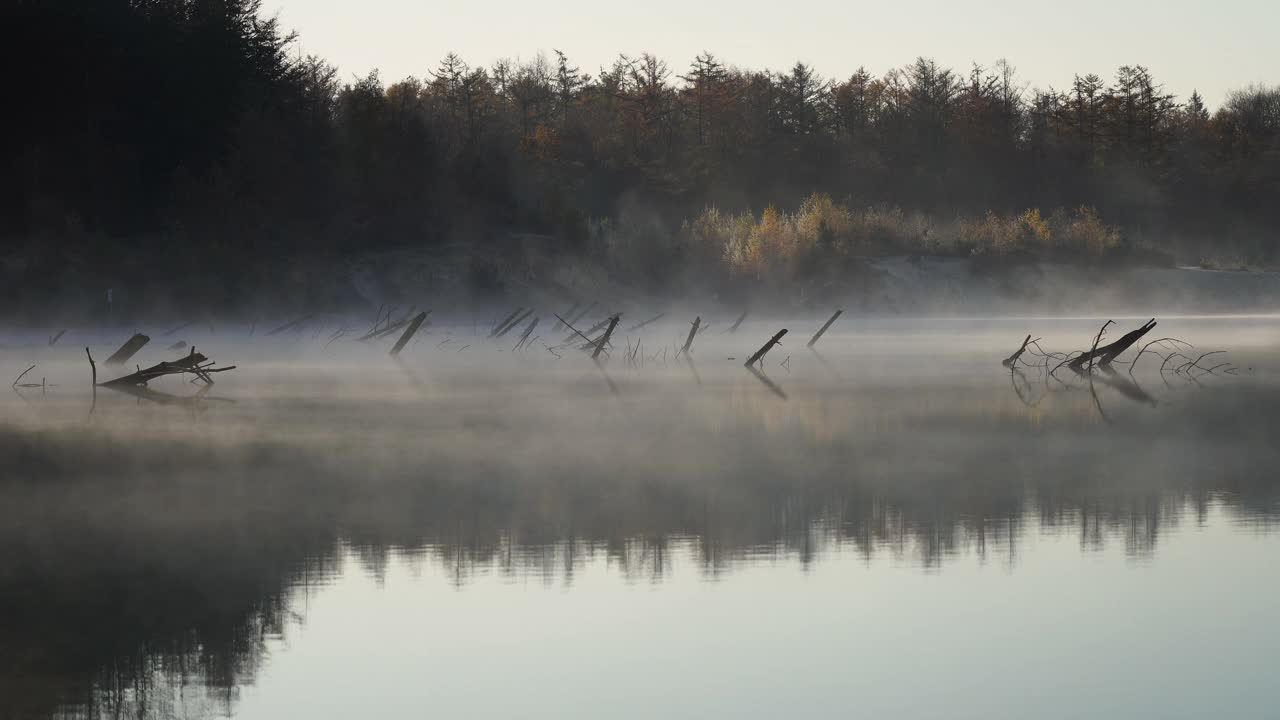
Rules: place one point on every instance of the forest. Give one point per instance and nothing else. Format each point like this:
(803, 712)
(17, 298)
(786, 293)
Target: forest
(188, 145)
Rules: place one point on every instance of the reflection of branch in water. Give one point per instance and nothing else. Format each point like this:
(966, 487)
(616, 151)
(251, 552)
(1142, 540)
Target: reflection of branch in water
(1014, 374)
(1096, 402)
(825, 364)
(143, 392)
(1127, 387)
(605, 374)
(409, 374)
(767, 382)
(693, 368)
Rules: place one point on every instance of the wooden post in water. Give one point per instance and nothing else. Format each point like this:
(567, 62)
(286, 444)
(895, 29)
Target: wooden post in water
(688, 342)
(128, 350)
(408, 333)
(759, 354)
(613, 323)
(818, 336)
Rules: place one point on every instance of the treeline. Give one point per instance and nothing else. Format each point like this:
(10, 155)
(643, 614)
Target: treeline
(145, 127)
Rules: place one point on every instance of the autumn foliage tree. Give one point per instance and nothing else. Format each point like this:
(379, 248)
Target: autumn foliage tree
(143, 125)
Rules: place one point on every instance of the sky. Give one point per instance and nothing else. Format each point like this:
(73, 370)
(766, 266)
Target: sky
(1188, 44)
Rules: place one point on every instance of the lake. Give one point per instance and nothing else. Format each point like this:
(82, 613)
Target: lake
(894, 525)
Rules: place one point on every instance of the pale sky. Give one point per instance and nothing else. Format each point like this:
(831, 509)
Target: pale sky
(1188, 44)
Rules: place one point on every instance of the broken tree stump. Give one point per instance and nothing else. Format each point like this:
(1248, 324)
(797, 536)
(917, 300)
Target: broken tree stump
(734, 327)
(759, 354)
(818, 335)
(693, 331)
(128, 350)
(1107, 353)
(408, 333)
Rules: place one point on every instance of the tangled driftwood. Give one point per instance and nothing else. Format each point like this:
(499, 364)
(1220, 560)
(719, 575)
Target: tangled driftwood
(193, 364)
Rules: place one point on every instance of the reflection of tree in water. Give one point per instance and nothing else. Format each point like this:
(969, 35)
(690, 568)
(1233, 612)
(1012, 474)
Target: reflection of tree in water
(129, 632)
(159, 600)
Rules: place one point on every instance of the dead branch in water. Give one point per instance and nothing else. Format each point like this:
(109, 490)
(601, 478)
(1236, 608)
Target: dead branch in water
(693, 331)
(1101, 355)
(583, 312)
(493, 332)
(604, 339)
(1093, 353)
(291, 325)
(511, 325)
(24, 374)
(1010, 361)
(128, 350)
(341, 333)
(1144, 350)
(734, 327)
(54, 340)
(1170, 357)
(194, 364)
(759, 354)
(574, 329)
(594, 328)
(1106, 354)
(180, 328)
(524, 337)
(651, 320)
(818, 336)
(1096, 364)
(1196, 363)
(390, 327)
(569, 312)
(408, 333)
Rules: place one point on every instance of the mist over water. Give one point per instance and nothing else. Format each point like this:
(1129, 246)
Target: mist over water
(892, 523)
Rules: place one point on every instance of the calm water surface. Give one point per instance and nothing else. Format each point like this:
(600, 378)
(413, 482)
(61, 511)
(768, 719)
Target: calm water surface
(894, 527)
